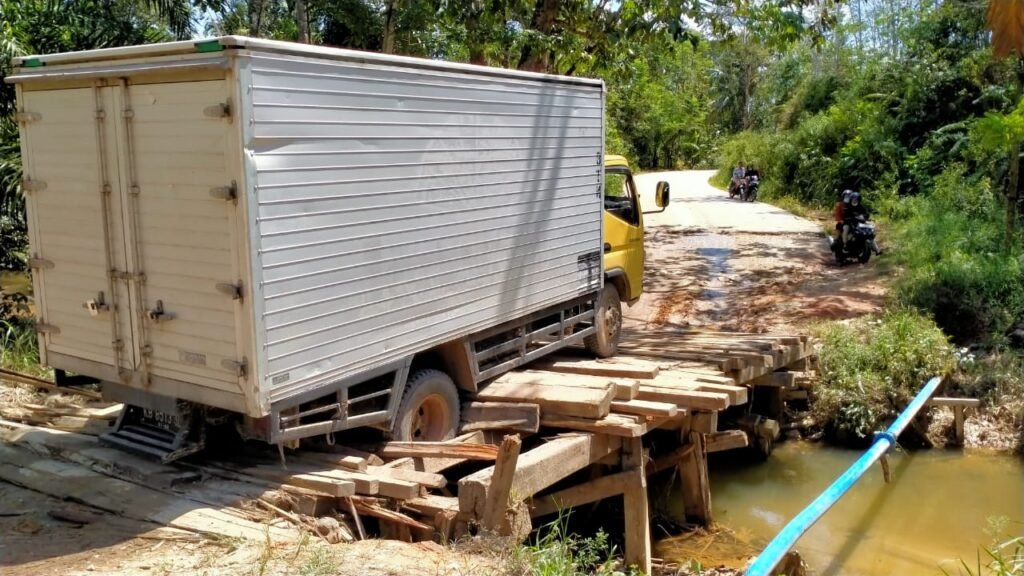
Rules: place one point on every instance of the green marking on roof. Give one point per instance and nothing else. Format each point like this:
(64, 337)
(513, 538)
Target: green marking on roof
(209, 46)
(32, 63)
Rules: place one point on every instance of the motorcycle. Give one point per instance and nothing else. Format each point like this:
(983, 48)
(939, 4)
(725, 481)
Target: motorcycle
(748, 192)
(860, 247)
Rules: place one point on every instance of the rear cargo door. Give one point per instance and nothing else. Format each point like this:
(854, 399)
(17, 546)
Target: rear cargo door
(71, 186)
(180, 222)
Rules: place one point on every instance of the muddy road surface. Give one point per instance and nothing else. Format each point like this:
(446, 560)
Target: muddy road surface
(718, 263)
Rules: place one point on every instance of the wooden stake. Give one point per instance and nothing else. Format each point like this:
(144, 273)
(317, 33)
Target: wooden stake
(355, 516)
(499, 491)
(638, 527)
(693, 473)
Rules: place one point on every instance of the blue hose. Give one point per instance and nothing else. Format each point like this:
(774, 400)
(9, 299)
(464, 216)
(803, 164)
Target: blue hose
(784, 540)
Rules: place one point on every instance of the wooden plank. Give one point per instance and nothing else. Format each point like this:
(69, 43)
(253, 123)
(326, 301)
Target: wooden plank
(24, 379)
(512, 416)
(705, 422)
(645, 408)
(371, 485)
(437, 465)
(574, 401)
(614, 424)
(692, 399)
(333, 486)
(634, 501)
(343, 451)
(539, 468)
(693, 473)
(737, 394)
(428, 479)
(499, 491)
(585, 493)
(781, 379)
(795, 395)
(723, 363)
(610, 367)
(107, 413)
(372, 509)
(958, 423)
(439, 450)
(354, 463)
(431, 504)
(942, 401)
(670, 460)
(728, 440)
(73, 482)
(625, 389)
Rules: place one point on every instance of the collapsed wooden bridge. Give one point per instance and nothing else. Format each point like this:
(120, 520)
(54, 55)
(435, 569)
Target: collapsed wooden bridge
(565, 432)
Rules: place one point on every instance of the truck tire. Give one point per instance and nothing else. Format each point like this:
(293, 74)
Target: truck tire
(608, 322)
(429, 411)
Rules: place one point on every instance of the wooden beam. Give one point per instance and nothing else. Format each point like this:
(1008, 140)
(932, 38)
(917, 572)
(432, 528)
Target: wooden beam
(670, 460)
(585, 493)
(539, 468)
(723, 363)
(705, 422)
(728, 440)
(966, 402)
(611, 367)
(427, 479)
(499, 491)
(782, 379)
(638, 525)
(436, 465)
(512, 416)
(614, 424)
(625, 388)
(645, 408)
(584, 402)
(692, 399)
(693, 473)
(439, 450)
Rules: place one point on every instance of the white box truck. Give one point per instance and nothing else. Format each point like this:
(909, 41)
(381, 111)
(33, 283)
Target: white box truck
(303, 240)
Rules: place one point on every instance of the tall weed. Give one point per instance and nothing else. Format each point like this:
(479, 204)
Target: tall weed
(871, 368)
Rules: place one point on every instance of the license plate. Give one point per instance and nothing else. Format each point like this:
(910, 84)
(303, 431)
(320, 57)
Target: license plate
(169, 422)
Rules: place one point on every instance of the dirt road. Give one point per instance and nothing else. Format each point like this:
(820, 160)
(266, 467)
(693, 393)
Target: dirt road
(713, 262)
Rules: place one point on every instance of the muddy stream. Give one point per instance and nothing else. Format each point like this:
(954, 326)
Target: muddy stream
(941, 506)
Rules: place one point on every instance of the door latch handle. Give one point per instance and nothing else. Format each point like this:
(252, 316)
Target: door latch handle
(607, 247)
(96, 305)
(158, 314)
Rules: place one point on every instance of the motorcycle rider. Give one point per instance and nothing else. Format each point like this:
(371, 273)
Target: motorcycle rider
(738, 173)
(837, 213)
(853, 213)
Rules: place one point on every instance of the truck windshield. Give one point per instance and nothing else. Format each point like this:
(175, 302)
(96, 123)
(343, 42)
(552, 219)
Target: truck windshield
(620, 195)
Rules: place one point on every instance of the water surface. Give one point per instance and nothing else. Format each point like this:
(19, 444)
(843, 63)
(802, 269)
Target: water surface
(938, 508)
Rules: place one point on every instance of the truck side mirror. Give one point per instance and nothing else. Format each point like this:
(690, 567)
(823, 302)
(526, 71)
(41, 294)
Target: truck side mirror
(661, 195)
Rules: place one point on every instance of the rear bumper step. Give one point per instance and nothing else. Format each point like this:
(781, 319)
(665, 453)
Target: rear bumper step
(167, 437)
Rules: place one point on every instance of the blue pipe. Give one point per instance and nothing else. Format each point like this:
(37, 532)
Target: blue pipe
(784, 540)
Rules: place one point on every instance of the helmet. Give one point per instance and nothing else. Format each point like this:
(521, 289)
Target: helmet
(846, 196)
(855, 197)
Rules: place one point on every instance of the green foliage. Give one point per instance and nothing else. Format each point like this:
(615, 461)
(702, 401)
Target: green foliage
(19, 347)
(956, 267)
(558, 552)
(871, 367)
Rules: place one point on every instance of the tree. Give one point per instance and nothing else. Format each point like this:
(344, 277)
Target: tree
(1006, 19)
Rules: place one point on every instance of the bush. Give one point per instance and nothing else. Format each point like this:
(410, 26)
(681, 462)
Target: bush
(871, 367)
(958, 270)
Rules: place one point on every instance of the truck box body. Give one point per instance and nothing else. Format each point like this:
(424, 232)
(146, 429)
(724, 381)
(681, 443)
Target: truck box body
(238, 222)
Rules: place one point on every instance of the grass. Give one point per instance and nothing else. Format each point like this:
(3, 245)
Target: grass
(871, 367)
(19, 346)
(1005, 557)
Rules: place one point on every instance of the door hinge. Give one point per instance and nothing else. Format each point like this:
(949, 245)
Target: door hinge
(40, 264)
(44, 328)
(26, 117)
(222, 110)
(30, 185)
(229, 192)
(238, 367)
(233, 290)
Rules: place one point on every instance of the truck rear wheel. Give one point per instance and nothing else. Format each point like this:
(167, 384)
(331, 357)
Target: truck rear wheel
(608, 322)
(429, 411)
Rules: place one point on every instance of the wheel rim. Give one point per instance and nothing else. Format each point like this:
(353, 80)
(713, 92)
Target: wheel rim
(430, 420)
(612, 320)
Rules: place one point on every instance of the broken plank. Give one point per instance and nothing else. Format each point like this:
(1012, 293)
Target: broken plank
(512, 416)
(610, 367)
(645, 408)
(539, 468)
(728, 440)
(692, 399)
(428, 479)
(431, 504)
(107, 413)
(614, 424)
(372, 509)
(439, 450)
(436, 465)
(575, 401)
(333, 486)
(500, 489)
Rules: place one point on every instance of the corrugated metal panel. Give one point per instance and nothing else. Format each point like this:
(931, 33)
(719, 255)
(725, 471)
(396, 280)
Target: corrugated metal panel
(66, 148)
(184, 234)
(399, 208)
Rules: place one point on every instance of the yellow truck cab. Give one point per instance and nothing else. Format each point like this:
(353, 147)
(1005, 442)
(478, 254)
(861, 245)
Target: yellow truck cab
(623, 250)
